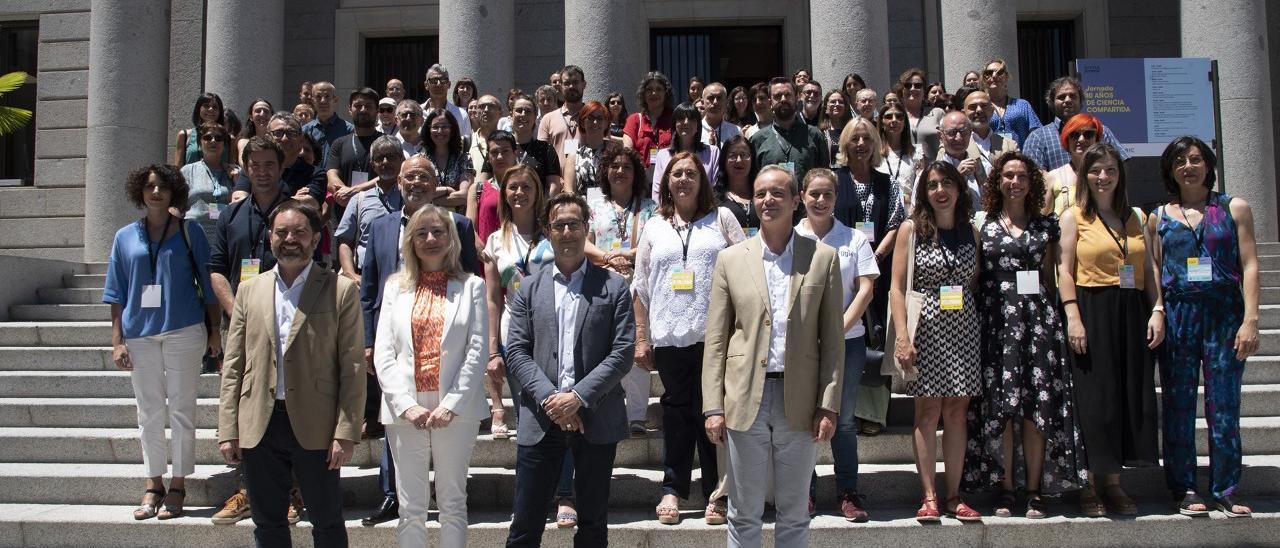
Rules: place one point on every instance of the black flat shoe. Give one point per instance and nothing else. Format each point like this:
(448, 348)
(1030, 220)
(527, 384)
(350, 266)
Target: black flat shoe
(1189, 500)
(1229, 505)
(387, 511)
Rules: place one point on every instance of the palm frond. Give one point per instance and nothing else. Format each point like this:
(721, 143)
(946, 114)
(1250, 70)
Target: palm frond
(12, 81)
(12, 119)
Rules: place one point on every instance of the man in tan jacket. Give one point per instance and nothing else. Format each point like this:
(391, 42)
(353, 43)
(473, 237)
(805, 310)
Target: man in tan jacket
(293, 385)
(773, 363)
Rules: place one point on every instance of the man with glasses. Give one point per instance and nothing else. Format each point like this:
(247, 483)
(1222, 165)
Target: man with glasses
(488, 112)
(347, 165)
(1064, 96)
(437, 86)
(560, 128)
(715, 102)
(811, 102)
(1013, 117)
(298, 179)
(957, 132)
(387, 116)
(382, 199)
(571, 341)
(328, 126)
(409, 121)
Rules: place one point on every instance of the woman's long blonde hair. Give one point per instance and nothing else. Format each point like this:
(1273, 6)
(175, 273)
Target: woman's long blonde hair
(407, 276)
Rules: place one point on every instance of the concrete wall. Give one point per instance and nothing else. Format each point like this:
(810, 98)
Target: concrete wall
(1273, 46)
(539, 43)
(186, 65)
(61, 88)
(24, 275)
(1144, 28)
(906, 39)
(308, 48)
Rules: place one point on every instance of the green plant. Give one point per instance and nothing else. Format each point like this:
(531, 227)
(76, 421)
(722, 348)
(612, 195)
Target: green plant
(12, 118)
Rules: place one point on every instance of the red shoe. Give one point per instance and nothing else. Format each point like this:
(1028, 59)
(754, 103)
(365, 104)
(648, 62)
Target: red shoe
(962, 511)
(850, 508)
(928, 512)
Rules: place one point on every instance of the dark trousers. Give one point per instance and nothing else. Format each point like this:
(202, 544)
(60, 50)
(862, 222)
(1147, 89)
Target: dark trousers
(683, 426)
(537, 473)
(268, 470)
(387, 472)
(373, 401)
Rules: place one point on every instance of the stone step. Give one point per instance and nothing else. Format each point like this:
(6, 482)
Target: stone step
(1259, 436)
(39, 525)
(1268, 248)
(55, 333)
(56, 358)
(73, 253)
(95, 268)
(63, 295)
(492, 488)
(61, 312)
(91, 281)
(1269, 342)
(1269, 262)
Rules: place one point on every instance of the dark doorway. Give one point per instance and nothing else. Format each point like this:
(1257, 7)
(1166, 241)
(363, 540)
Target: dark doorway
(1045, 52)
(734, 56)
(405, 58)
(18, 45)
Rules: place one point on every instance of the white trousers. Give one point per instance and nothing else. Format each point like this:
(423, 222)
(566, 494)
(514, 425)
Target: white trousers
(636, 386)
(417, 451)
(166, 368)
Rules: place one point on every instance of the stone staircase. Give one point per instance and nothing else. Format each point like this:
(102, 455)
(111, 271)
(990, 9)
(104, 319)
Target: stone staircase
(70, 467)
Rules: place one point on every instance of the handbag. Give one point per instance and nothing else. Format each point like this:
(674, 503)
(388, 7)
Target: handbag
(898, 375)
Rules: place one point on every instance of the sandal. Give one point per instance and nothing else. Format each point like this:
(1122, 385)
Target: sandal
(149, 510)
(173, 510)
(1090, 505)
(928, 512)
(1117, 501)
(1003, 507)
(499, 431)
(871, 428)
(1188, 503)
(566, 519)
(717, 512)
(668, 514)
(1037, 508)
(1232, 508)
(962, 511)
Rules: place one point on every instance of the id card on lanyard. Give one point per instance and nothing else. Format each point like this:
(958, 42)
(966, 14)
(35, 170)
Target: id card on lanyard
(1128, 274)
(151, 292)
(681, 279)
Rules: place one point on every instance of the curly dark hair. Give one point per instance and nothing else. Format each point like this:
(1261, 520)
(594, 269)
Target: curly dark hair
(170, 178)
(993, 200)
(639, 183)
(922, 216)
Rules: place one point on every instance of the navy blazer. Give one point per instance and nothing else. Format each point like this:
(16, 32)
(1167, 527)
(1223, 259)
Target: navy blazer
(382, 259)
(602, 355)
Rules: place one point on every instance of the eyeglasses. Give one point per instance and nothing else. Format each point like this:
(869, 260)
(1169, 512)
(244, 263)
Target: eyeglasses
(213, 137)
(286, 133)
(389, 158)
(409, 115)
(567, 226)
(914, 85)
(418, 177)
(739, 157)
(437, 81)
(954, 133)
(387, 110)
(998, 72)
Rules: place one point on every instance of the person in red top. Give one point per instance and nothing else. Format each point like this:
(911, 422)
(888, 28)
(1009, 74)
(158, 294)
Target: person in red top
(649, 130)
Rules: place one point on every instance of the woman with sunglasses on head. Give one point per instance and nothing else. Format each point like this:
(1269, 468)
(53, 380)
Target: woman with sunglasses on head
(1207, 258)
(1115, 318)
(922, 118)
(1013, 116)
(1078, 134)
(210, 181)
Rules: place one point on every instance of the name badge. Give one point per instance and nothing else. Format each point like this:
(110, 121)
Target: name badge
(214, 211)
(249, 268)
(1200, 269)
(951, 297)
(790, 167)
(151, 296)
(570, 145)
(681, 279)
(1028, 282)
(1127, 277)
(620, 245)
(653, 155)
(750, 231)
(868, 229)
(359, 177)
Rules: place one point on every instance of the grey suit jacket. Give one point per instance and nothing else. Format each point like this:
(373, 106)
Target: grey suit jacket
(603, 353)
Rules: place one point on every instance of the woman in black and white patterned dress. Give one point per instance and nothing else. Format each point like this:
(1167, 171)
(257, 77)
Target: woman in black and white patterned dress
(945, 350)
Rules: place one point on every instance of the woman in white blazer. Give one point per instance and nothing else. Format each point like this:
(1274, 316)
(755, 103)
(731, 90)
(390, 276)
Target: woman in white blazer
(430, 351)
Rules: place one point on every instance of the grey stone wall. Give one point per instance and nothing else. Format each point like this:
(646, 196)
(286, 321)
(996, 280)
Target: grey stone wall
(906, 39)
(1144, 28)
(539, 42)
(1273, 52)
(61, 90)
(186, 65)
(308, 48)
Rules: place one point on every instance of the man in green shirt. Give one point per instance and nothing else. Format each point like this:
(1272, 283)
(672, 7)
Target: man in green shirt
(789, 142)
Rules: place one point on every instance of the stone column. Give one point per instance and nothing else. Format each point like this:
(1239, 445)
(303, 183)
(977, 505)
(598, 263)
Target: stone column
(128, 102)
(609, 39)
(850, 36)
(1235, 34)
(476, 41)
(244, 53)
(976, 31)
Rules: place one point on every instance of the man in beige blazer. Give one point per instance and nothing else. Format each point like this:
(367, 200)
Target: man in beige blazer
(293, 384)
(773, 363)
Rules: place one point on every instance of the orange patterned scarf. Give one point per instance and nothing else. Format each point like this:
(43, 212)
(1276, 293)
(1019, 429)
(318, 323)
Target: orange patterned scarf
(428, 327)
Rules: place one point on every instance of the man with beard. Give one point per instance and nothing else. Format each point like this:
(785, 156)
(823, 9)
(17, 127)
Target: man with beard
(715, 130)
(811, 102)
(795, 147)
(417, 183)
(437, 86)
(299, 179)
(409, 116)
(489, 110)
(560, 128)
(347, 165)
(984, 144)
(1064, 97)
(293, 386)
(328, 126)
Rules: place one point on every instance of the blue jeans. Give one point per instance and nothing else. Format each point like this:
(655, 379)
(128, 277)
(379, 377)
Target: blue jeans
(844, 444)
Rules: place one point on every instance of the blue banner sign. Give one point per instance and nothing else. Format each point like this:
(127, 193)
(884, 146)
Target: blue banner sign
(1149, 102)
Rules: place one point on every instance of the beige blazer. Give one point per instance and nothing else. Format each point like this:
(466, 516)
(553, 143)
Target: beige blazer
(324, 366)
(464, 350)
(999, 145)
(738, 332)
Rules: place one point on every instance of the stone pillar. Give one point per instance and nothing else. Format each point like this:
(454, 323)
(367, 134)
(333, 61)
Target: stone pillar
(976, 31)
(609, 39)
(244, 53)
(850, 36)
(1235, 34)
(128, 101)
(476, 41)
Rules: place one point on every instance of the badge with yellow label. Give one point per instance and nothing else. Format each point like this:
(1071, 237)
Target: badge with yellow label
(681, 279)
(951, 297)
(1199, 269)
(249, 268)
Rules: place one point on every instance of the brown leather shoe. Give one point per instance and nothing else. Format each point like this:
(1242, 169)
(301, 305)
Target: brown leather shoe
(295, 507)
(234, 509)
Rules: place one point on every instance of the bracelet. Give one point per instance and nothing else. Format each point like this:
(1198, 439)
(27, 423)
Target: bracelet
(1070, 301)
(495, 355)
(1157, 308)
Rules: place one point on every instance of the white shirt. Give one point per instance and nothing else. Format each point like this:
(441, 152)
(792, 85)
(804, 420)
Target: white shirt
(409, 148)
(286, 305)
(975, 191)
(777, 278)
(568, 295)
(857, 259)
(984, 143)
(726, 131)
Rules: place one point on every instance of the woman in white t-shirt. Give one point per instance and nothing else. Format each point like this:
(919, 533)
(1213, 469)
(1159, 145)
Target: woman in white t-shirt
(900, 155)
(858, 272)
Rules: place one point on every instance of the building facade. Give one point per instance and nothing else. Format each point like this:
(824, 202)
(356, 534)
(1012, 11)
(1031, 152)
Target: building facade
(115, 80)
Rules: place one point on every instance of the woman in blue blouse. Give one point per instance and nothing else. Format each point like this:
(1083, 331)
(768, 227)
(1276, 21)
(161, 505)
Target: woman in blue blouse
(158, 288)
(1208, 263)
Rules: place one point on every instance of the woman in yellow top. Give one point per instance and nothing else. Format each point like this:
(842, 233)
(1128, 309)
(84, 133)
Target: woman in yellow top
(1115, 317)
(1078, 134)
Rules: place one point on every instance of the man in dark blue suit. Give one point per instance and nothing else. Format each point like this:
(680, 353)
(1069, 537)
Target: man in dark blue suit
(571, 341)
(382, 259)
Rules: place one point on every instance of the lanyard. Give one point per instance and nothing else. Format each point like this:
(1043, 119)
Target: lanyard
(1124, 247)
(893, 175)
(948, 254)
(154, 256)
(685, 238)
(528, 252)
(1198, 235)
(569, 124)
(257, 235)
(786, 152)
(1021, 243)
(620, 221)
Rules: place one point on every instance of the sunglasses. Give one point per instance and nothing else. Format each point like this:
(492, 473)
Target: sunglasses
(212, 137)
(387, 110)
(997, 72)
(282, 133)
(914, 85)
(437, 81)
(1085, 133)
